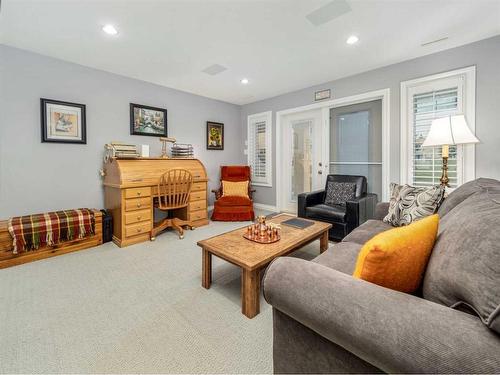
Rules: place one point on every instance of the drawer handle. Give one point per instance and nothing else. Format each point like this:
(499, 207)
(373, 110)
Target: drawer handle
(139, 230)
(138, 193)
(138, 205)
(138, 218)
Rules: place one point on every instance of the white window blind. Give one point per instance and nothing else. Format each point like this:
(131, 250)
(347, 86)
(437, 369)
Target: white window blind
(259, 148)
(427, 98)
(427, 162)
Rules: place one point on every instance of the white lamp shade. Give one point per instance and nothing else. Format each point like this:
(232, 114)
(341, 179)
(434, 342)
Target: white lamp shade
(449, 130)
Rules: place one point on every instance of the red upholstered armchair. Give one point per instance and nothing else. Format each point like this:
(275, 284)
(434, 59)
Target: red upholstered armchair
(233, 208)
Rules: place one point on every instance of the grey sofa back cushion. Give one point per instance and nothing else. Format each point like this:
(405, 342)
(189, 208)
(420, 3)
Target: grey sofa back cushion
(464, 268)
(465, 191)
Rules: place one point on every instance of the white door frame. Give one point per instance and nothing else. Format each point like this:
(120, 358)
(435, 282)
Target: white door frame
(384, 95)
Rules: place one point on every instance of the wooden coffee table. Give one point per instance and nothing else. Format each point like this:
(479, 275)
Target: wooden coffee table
(252, 257)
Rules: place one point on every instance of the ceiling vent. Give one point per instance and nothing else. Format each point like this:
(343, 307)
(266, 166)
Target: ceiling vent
(329, 12)
(434, 41)
(214, 69)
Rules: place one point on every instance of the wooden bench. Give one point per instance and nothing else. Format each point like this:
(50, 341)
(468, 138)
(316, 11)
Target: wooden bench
(8, 258)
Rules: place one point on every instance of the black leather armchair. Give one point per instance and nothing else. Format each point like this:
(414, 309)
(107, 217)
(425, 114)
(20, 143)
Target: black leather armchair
(344, 219)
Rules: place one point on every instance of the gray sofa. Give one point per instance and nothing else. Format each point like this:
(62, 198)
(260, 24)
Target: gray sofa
(325, 321)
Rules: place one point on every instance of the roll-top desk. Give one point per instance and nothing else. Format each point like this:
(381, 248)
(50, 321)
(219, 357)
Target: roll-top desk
(130, 186)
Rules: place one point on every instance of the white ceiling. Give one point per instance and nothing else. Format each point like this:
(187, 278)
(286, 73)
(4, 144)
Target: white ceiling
(271, 42)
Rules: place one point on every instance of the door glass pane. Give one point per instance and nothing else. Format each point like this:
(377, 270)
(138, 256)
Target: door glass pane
(356, 142)
(301, 176)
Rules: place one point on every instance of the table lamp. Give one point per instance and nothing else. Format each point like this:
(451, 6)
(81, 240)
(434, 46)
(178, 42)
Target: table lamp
(446, 131)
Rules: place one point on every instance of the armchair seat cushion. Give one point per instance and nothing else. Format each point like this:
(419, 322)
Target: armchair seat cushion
(322, 211)
(233, 200)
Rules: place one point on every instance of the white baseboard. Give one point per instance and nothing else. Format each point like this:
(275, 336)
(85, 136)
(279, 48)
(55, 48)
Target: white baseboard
(265, 207)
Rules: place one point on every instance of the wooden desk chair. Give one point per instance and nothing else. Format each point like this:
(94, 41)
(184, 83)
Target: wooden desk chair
(174, 188)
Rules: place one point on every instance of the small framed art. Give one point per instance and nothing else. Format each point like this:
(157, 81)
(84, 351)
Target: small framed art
(215, 136)
(63, 122)
(146, 120)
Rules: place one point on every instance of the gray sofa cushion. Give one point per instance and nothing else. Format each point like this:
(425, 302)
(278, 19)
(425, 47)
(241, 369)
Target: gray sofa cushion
(465, 191)
(341, 257)
(464, 268)
(366, 231)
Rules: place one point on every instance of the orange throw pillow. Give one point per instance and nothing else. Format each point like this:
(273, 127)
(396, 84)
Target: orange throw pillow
(235, 189)
(397, 258)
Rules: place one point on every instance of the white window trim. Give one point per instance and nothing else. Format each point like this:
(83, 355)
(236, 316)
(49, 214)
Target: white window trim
(268, 118)
(467, 155)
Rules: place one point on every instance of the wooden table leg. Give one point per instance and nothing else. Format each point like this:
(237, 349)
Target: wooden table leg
(323, 242)
(206, 272)
(250, 292)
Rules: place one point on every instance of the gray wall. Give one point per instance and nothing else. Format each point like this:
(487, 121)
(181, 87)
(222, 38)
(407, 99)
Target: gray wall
(36, 177)
(484, 54)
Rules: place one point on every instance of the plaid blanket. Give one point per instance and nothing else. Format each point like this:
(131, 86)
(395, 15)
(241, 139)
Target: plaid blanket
(32, 231)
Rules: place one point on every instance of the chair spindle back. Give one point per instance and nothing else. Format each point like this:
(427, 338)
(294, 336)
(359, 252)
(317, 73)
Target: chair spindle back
(174, 188)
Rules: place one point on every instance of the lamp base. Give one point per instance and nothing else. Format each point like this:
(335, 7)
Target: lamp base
(444, 176)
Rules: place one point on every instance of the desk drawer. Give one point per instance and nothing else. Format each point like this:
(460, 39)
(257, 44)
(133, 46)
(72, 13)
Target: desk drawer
(199, 186)
(197, 195)
(137, 204)
(138, 192)
(197, 215)
(137, 216)
(198, 205)
(198, 173)
(135, 229)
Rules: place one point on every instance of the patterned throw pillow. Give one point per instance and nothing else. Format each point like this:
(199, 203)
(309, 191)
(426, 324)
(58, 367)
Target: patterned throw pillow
(409, 203)
(337, 193)
(235, 189)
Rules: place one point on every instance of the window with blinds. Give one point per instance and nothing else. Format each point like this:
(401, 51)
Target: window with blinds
(259, 148)
(427, 162)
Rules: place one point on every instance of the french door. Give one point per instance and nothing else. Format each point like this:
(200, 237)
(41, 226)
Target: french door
(303, 164)
(356, 142)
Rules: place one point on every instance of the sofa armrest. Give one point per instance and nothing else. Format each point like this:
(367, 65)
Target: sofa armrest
(309, 199)
(381, 210)
(393, 331)
(360, 209)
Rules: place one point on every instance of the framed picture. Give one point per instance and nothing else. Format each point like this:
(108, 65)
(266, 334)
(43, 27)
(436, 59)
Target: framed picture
(63, 122)
(146, 120)
(215, 136)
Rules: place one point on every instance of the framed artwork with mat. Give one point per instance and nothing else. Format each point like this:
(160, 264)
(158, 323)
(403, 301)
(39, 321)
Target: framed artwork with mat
(215, 136)
(63, 122)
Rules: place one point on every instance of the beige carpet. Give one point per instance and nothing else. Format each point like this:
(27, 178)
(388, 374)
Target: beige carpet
(136, 309)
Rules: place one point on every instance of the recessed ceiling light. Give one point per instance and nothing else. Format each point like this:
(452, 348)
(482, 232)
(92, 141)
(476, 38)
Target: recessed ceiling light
(353, 39)
(244, 81)
(109, 29)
